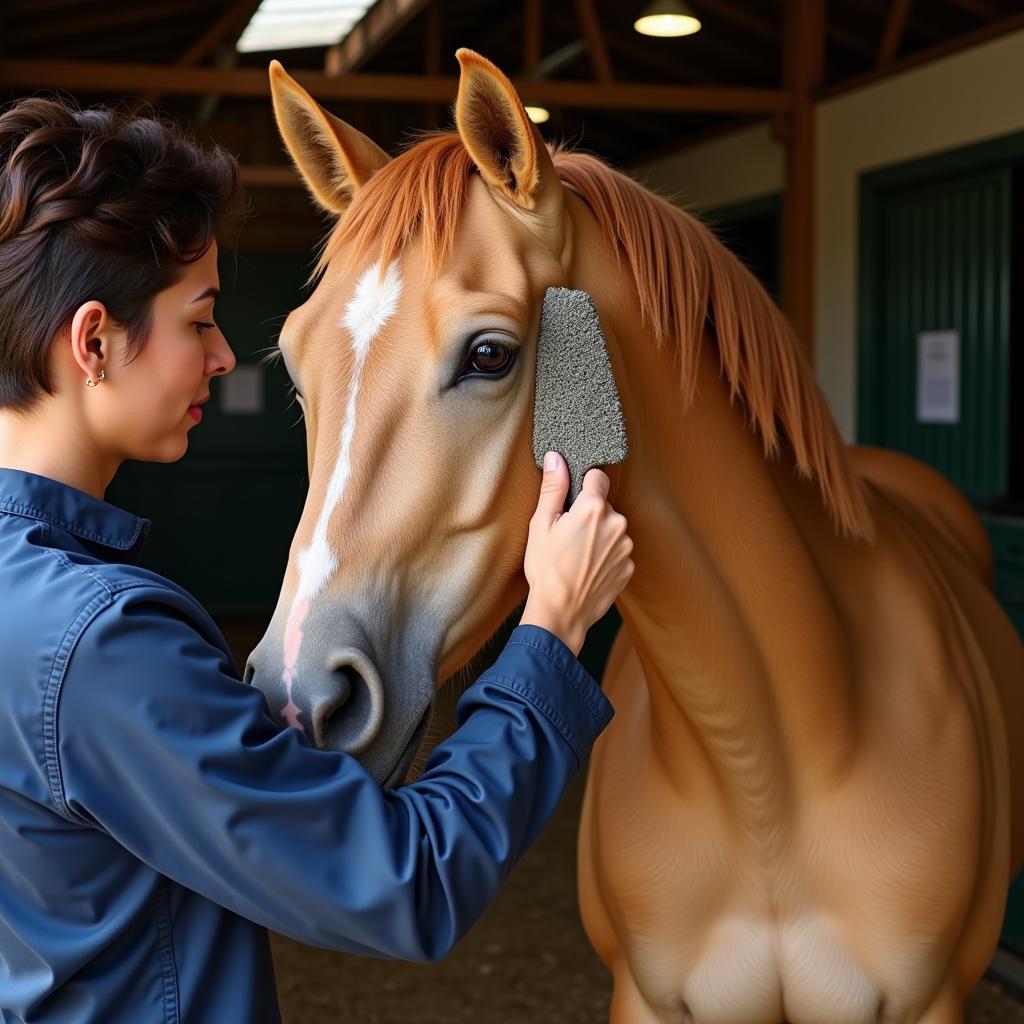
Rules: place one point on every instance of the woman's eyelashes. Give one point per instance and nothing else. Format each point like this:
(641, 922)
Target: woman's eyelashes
(489, 356)
(202, 326)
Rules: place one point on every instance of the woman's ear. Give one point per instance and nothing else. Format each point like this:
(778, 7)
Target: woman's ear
(85, 335)
(504, 143)
(334, 159)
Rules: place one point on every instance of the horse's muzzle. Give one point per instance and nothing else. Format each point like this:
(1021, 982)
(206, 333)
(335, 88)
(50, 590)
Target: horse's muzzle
(343, 698)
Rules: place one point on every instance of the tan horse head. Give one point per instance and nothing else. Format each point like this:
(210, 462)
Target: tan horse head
(415, 370)
(415, 367)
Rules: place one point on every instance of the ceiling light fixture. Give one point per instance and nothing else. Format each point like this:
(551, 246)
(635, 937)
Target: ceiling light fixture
(667, 18)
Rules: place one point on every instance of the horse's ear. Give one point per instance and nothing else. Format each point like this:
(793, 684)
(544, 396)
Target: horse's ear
(334, 159)
(505, 144)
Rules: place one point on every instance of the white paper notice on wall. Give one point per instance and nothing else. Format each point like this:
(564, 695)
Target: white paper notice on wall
(241, 391)
(938, 377)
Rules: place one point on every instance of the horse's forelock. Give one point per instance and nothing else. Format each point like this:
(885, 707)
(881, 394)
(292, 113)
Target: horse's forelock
(421, 191)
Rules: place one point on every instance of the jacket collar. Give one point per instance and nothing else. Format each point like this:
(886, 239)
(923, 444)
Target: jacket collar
(39, 497)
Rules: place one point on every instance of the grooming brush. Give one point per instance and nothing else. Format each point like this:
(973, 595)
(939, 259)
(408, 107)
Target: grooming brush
(577, 411)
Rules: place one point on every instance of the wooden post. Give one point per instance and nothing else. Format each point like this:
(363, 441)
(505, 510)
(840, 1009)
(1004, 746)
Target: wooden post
(803, 74)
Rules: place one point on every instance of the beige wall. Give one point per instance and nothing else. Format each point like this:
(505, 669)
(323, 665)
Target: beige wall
(973, 95)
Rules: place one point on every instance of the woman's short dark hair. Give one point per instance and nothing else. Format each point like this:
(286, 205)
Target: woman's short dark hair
(98, 204)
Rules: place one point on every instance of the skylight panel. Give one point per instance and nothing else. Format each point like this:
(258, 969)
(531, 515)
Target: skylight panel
(290, 24)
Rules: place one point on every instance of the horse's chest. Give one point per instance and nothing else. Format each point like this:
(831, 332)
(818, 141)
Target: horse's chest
(752, 972)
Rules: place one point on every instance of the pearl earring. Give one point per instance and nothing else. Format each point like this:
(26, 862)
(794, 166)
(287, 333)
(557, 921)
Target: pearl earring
(102, 375)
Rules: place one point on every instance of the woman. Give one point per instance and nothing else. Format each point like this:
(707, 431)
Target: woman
(153, 820)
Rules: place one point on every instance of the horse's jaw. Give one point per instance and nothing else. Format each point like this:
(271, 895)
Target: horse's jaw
(405, 761)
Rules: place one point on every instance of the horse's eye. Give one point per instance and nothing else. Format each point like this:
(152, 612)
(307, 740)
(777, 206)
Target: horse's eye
(490, 357)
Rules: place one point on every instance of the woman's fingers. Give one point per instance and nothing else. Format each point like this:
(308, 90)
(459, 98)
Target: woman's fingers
(595, 482)
(553, 489)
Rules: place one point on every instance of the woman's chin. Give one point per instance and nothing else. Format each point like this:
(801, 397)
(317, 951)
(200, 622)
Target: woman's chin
(168, 450)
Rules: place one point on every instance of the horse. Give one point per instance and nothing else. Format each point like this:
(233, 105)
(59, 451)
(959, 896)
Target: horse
(806, 808)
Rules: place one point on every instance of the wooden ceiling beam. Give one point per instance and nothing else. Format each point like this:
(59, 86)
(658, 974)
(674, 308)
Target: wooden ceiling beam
(895, 25)
(743, 17)
(925, 27)
(995, 29)
(227, 28)
(979, 8)
(370, 34)
(853, 42)
(270, 176)
(768, 29)
(95, 77)
(29, 10)
(638, 51)
(761, 59)
(595, 40)
(113, 18)
(112, 46)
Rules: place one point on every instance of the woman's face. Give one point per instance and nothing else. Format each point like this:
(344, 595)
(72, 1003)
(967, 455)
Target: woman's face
(152, 403)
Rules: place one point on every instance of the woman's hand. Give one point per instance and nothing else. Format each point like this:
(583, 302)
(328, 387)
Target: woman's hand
(577, 562)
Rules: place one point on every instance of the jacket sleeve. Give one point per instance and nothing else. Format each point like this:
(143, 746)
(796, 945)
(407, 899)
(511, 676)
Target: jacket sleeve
(162, 746)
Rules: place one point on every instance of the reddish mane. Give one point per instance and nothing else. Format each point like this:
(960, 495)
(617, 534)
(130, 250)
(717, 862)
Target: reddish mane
(683, 276)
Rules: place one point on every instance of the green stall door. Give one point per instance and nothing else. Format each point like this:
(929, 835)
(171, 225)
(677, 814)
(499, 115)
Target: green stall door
(937, 383)
(223, 515)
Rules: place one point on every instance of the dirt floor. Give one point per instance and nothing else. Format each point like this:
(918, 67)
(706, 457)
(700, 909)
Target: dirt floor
(526, 961)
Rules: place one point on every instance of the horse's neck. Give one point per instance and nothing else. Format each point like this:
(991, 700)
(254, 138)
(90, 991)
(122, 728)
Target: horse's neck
(740, 643)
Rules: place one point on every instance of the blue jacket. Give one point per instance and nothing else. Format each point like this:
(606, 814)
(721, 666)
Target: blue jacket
(154, 821)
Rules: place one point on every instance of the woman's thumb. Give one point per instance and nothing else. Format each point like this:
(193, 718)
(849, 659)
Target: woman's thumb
(553, 489)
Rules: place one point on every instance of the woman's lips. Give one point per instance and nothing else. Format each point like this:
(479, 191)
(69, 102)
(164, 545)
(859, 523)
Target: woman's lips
(194, 411)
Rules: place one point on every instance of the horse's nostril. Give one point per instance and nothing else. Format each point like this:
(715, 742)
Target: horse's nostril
(349, 716)
(250, 671)
(346, 678)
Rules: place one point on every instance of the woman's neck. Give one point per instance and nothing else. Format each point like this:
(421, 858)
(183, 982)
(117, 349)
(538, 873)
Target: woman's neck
(50, 441)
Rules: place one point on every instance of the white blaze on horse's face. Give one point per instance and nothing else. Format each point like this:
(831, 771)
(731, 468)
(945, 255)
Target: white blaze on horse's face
(368, 311)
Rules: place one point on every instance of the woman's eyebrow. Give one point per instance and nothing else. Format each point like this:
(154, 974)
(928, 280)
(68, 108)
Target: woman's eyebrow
(209, 291)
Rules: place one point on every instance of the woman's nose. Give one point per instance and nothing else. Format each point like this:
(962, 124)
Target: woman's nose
(222, 358)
